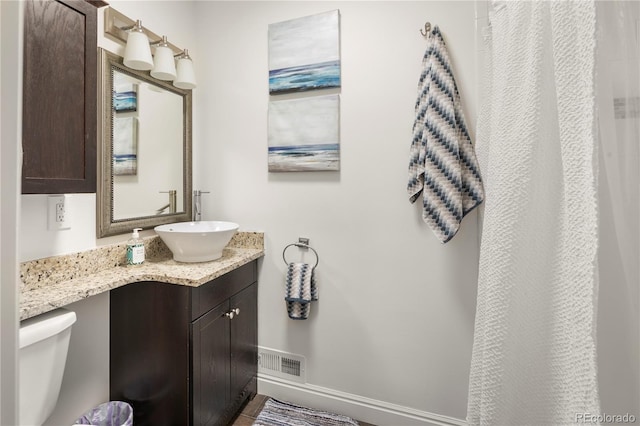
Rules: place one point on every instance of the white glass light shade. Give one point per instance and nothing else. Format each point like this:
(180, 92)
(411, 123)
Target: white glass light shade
(186, 77)
(164, 64)
(137, 54)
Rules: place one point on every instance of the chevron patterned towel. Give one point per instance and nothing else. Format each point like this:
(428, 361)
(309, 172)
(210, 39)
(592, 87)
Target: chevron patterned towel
(301, 290)
(442, 165)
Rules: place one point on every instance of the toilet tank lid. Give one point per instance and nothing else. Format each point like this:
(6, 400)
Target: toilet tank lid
(38, 328)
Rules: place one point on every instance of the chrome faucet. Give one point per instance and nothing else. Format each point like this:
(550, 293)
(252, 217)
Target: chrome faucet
(172, 202)
(197, 206)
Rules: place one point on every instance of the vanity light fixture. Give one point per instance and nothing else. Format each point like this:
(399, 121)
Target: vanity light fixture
(164, 64)
(186, 77)
(168, 62)
(137, 54)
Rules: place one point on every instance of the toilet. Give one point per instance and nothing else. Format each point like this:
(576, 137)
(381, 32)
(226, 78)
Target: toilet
(44, 341)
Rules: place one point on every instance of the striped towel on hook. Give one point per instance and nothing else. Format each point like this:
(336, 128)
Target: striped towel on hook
(301, 290)
(442, 164)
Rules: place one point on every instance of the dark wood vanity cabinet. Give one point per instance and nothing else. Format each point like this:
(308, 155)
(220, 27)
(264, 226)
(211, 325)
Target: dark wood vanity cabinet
(59, 130)
(185, 355)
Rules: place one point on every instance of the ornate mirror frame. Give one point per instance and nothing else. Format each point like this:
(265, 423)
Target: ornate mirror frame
(106, 225)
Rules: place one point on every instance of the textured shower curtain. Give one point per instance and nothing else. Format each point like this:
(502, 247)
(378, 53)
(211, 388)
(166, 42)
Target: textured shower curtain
(534, 351)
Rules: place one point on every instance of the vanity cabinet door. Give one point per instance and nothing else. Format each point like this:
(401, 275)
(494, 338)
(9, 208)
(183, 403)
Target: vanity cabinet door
(244, 341)
(225, 358)
(210, 357)
(59, 130)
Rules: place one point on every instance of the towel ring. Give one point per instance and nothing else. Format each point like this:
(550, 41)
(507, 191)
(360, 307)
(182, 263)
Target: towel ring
(301, 246)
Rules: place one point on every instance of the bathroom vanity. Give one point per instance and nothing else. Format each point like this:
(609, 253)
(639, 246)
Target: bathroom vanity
(185, 355)
(183, 336)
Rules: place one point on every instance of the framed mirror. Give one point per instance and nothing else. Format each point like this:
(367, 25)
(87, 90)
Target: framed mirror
(144, 165)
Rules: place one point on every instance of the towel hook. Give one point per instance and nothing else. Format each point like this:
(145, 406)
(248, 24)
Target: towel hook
(427, 29)
(301, 245)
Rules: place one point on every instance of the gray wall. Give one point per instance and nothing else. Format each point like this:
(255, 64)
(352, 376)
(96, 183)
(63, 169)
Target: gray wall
(394, 323)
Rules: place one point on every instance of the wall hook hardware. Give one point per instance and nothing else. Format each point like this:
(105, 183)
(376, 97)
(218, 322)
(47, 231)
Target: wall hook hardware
(427, 29)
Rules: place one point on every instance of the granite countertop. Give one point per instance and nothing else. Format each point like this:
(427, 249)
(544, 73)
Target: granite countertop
(57, 281)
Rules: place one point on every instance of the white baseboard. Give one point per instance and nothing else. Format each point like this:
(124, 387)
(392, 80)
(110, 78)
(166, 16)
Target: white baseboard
(364, 409)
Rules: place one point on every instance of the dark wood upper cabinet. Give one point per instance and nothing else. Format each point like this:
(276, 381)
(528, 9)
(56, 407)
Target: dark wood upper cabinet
(59, 133)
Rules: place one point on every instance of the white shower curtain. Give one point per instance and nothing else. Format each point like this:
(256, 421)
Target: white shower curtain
(534, 351)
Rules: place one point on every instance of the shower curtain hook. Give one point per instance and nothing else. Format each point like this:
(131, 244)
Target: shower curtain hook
(427, 29)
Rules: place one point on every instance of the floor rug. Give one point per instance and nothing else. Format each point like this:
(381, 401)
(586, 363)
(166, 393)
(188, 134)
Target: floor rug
(279, 413)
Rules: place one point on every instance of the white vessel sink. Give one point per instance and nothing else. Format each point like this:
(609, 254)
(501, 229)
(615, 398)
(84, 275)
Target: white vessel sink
(196, 241)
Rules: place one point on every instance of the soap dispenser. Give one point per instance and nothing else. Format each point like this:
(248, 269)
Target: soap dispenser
(135, 248)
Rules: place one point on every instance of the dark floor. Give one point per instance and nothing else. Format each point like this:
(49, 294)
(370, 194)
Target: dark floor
(252, 409)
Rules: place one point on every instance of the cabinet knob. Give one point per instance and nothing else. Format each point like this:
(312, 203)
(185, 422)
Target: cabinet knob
(232, 313)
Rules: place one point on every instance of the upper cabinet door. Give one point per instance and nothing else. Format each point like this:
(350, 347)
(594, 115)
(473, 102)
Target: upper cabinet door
(59, 133)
